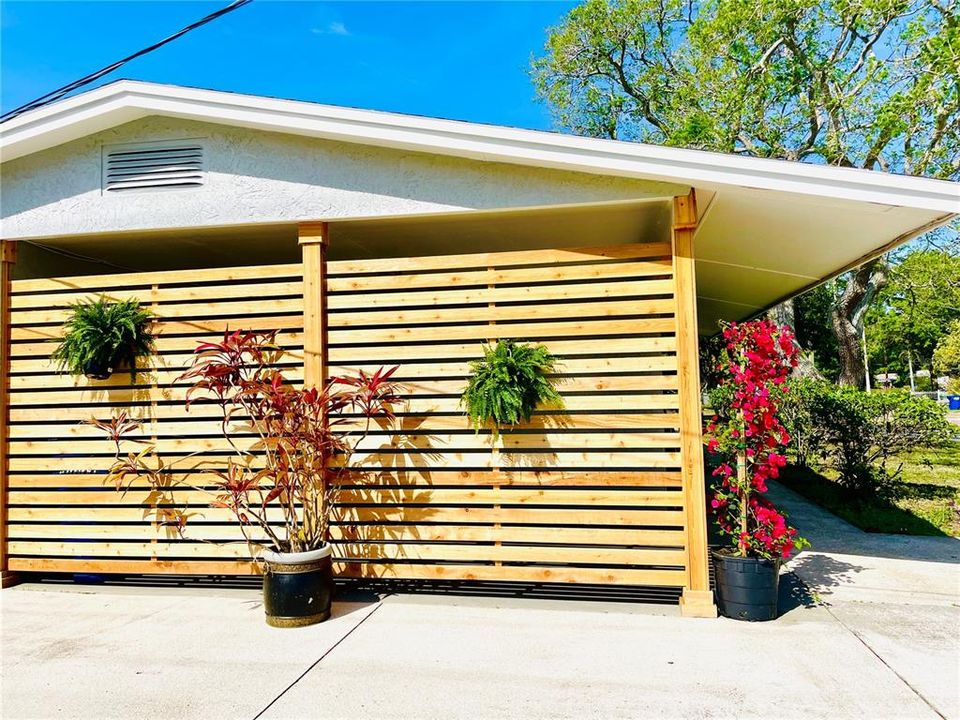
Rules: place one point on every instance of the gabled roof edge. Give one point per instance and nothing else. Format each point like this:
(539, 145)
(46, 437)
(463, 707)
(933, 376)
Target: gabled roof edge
(126, 100)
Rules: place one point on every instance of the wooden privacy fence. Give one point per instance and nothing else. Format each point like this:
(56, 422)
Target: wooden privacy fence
(590, 494)
(61, 515)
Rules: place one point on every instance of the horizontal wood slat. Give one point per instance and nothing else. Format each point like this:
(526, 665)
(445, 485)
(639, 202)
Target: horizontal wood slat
(441, 351)
(522, 276)
(356, 551)
(535, 477)
(165, 295)
(535, 535)
(374, 496)
(589, 493)
(527, 294)
(99, 283)
(501, 259)
(163, 344)
(177, 426)
(507, 573)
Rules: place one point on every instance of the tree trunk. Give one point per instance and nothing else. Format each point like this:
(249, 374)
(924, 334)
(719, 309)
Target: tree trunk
(848, 315)
(784, 314)
(851, 353)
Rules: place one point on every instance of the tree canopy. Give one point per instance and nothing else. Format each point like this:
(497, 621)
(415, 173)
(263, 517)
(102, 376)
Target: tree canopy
(913, 312)
(946, 357)
(873, 84)
(864, 83)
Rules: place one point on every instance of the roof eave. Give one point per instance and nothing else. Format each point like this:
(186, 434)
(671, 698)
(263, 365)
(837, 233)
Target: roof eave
(126, 100)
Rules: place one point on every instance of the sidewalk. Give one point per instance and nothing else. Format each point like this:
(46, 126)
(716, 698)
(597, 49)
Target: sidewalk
(898, 594)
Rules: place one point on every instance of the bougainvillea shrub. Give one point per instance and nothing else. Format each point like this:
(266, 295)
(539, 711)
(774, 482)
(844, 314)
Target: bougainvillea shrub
(750, 438)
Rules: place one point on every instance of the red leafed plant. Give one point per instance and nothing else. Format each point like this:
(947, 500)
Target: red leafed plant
(747, 434)
(285, 480)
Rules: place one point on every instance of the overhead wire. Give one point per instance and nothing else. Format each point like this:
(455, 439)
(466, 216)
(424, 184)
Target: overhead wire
(55, 95)
(77, 256)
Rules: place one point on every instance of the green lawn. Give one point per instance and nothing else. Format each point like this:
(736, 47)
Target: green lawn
(926, 498)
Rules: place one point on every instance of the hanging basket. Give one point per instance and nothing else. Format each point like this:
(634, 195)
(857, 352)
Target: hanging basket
(97, 370)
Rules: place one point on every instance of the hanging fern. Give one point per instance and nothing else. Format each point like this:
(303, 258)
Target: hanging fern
(101, 335)
(509, 383)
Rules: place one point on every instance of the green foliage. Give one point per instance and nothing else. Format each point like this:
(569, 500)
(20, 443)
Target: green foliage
(509, 383)
(858, 434)
(101, 336)
(869, 84)
(712, 351)
(913, 313)
(808, 436)
(946, 358)
(872, 84)
(814, 328)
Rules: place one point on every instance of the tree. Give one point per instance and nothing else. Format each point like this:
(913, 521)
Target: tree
(872, 84)
(914, 310)
(946, 358)
(814, 329)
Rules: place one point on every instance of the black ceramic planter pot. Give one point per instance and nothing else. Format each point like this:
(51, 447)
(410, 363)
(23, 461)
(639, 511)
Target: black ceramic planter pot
(297, 587)
(97, 370)
(747, 587)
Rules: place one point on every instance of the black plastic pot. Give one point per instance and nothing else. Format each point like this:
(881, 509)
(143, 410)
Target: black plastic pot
(97, 370)
(297, 587)
(747, 587)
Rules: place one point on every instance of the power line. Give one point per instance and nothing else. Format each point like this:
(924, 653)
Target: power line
(60, 92)
(78, 256)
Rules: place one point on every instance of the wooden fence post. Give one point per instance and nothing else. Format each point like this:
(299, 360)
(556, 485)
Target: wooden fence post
(8, 257)
(697, 599)
(314, 238)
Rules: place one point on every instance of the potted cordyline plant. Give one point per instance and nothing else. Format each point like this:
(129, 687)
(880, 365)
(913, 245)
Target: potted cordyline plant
(747, 435)
(280, 486)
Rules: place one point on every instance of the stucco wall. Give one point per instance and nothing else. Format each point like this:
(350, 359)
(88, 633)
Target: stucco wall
(254, 176)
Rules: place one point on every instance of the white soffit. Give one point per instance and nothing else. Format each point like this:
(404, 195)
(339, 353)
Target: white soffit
(755, 248)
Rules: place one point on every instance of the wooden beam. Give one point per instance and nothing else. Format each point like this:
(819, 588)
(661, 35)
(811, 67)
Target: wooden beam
(8, 257)
(314, 238)
(697, 599)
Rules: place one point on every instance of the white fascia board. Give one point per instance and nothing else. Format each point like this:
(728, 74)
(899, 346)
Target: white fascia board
(126, 100)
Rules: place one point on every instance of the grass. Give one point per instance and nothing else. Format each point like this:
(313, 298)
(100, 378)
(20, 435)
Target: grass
(925, 499)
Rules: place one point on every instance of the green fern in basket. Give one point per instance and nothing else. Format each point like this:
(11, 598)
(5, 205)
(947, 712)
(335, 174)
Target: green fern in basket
(509, 383)
(100, 336)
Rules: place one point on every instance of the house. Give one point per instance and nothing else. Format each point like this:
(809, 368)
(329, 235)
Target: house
(369, 238)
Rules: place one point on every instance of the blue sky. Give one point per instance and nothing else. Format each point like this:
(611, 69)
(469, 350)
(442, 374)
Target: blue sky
(466, 60)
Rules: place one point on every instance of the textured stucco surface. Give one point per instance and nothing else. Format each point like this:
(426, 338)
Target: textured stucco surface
(254, 176)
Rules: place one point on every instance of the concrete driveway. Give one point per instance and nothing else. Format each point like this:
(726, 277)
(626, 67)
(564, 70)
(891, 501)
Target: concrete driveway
(898, 595)
(863, 646)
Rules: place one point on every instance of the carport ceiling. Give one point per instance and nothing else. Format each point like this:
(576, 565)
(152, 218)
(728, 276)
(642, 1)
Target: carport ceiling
(752, 249)
(755, 248)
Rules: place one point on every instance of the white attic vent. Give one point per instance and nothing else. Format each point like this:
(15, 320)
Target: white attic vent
(153, 166)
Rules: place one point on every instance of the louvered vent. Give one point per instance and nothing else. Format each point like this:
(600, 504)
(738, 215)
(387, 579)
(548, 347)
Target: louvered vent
(152, 166)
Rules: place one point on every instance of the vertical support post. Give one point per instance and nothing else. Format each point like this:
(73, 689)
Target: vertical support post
(313, 245)
(697, 598)
(314, 238)
(8, 257)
